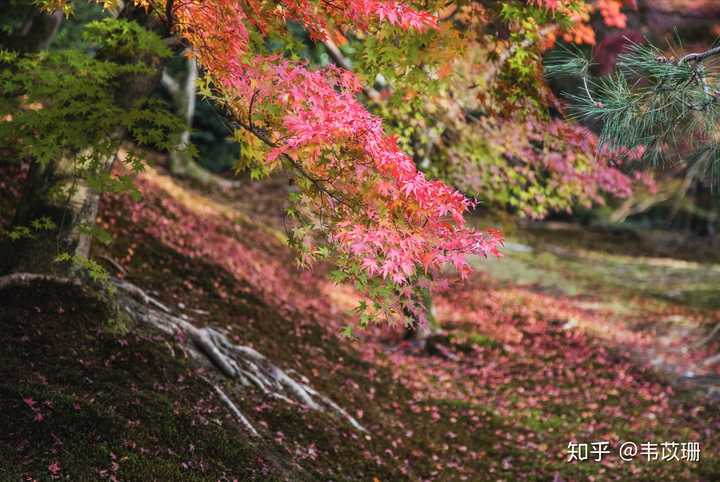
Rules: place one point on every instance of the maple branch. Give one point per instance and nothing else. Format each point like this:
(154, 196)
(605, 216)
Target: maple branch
(250, 109)
(331, 5)
(343, 62)
(318, 183)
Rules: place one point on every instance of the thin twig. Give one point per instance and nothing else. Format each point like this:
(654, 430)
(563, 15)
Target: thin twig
(169, 15)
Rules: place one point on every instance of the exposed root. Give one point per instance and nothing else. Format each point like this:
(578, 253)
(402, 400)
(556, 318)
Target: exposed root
(236, 411)
(237, 362)
(27, 279)
(114, 263)
(703, 341)
(136, 292)
(708, 337)
(713, 360)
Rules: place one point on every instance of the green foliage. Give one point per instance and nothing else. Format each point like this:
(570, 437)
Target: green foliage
(96, 233)
(252, 154)
(71, 105)
(519, 85)
(484, 129)
(500, 162)
(94, 271)
(124, 39)
(36, 225)
(20, 232)
(43, 224)
(70, 35)
(531, 15)
(407, 62)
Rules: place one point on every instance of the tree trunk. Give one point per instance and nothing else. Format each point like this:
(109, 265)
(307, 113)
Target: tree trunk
(184, 95)
(417, 331)
(37, 31)
(53, 191)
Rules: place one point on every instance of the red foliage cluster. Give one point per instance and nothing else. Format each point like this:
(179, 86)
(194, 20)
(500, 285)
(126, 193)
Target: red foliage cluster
(610, 10)
(601, 176)
(218, 29)
(379, 210)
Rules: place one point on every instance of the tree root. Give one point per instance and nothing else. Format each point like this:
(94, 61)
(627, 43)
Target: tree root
(708, 337)
(115, 264)
(136, 292)
(26, 279)
(710, 361)
(234, 409)
(190, 169)
(242, 363)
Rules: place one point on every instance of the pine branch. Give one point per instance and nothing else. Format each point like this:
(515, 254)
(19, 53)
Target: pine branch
(651, 101)
(699, 56)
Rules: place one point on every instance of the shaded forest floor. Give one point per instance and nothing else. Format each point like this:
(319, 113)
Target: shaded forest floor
(559, 341)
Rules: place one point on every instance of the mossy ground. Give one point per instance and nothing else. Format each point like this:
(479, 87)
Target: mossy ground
(516, 386)
(77, 392)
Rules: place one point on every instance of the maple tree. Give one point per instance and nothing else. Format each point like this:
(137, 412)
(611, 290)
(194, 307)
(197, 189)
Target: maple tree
(455, 97)
(361, 200)
(380, 217)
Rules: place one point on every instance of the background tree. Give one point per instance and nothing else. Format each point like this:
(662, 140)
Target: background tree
(491, 128)
(181, 84)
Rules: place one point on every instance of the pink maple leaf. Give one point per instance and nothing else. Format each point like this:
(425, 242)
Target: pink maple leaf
(54, 468)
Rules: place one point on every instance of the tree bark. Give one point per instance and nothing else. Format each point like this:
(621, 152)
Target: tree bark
(419, 332)
(26, 279)
(184, 95)
(53, 191)
(37, 31)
